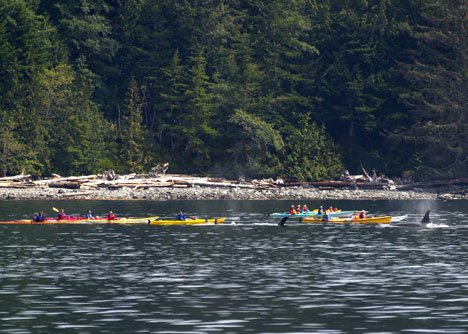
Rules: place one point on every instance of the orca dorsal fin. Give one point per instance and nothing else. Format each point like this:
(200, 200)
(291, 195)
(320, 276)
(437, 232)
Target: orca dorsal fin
(426, 219)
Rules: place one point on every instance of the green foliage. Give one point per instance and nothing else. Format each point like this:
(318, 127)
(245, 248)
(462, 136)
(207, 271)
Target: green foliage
(438, 129)
(257, 145)
(234, 87)
(310, 154)
(132, 136)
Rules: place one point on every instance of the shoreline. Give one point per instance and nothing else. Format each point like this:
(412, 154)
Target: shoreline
(220, 193)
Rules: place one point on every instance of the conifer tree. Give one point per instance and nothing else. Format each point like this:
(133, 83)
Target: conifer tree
(257, 146)
(198, 132)
(132, 136)
(310, 153)
(168, 118)
(438, 130)
(350, 74)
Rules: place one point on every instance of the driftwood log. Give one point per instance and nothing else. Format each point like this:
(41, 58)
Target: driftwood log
(65, 184)
(16, 178)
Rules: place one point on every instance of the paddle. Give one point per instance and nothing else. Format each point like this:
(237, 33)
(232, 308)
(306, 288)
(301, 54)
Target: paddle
(55, 209)
(283, 222)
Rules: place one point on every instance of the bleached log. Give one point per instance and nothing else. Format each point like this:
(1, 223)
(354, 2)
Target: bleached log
(180, 186)
(81, 193)
(67, 185)
(20, 177)
(12, 185)
(224, 185)
(78, 178)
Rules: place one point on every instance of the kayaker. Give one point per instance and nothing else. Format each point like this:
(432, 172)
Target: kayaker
(181, 216)
(320, 210)
(355, 215)
(325, 217)
(61, 215)
(362, 215)
(111, 216)
(40, 217)
(89, 215)
(305, 209)
(292, 211)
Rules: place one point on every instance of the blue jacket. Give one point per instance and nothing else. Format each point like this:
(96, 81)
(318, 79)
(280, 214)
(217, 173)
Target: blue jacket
(39, 218)
(181, 216)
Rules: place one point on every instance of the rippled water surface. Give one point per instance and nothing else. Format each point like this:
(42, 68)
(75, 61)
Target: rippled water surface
(247, 277)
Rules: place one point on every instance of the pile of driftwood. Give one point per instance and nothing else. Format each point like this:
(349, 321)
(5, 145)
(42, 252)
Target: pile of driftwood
(111, 180)
(158, 178)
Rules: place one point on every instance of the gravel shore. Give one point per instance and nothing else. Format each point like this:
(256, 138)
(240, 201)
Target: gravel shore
(204, 193)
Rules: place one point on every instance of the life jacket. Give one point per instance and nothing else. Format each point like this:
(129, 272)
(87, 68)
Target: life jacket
(39, 218)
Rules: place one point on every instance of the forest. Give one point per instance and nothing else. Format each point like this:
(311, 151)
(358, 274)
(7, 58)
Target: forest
(298, 89)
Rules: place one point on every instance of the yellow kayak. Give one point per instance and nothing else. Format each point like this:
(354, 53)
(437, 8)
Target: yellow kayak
(188, 221)
(368, 220)
(53, 221)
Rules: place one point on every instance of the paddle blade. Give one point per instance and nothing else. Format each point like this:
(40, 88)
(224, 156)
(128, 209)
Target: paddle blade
(55, 209)
(283, 221)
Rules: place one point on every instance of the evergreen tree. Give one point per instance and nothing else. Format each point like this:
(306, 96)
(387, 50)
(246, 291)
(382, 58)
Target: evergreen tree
(29, 47)
(351, 71)
(198, 132)
(257, 146)
(310, 154)
(132, 136)
(85, 27)
(171, 107)
(280, 31)
(438, 76)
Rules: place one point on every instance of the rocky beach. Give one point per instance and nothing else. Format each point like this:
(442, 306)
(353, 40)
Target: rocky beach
(185, 187)
(214, 193)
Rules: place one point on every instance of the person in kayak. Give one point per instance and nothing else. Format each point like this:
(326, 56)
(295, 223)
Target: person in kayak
(355, 215)
(292, 211)
(325, 217)
(181, 216)
(320, 210)
(362, 214)
(61, 215)
(40, 217)
(111, 216)
(305, 209)
(89, 215)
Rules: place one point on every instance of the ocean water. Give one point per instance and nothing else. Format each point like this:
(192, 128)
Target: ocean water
(245, 276)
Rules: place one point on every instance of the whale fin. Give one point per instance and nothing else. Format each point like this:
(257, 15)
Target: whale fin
(283, 221)
(426, 219)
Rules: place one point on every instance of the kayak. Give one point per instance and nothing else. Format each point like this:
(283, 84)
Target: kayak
(198, 221)
(83, 220)
(310, 214)
(367, 220)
